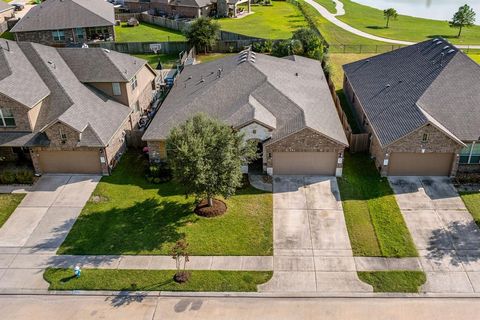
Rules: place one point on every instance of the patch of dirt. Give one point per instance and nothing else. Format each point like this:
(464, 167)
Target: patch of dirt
(202, 209)
(181, 277)
(98, 199)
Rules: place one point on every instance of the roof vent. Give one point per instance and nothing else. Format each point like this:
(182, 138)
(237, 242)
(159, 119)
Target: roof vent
(52, 64)
(438, 42)
(450, 51)
(296, 73)
(435, 40)
(106, 50)
(388, 86)
(445, 48)
(202, 79)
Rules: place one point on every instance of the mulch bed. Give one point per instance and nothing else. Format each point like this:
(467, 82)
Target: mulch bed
(181, 277)
(202, 209)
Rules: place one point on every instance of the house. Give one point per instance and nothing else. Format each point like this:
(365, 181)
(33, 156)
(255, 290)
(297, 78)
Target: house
(69, 110)
(188, 8)
(6, 13)
(284, 104)
(421, 105)
(62, 22)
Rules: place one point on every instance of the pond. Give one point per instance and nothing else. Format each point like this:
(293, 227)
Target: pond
(432, 9)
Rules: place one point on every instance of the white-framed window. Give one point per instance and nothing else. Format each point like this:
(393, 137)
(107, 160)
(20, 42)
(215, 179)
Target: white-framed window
(425, 137)
(6, 118)
(58, 35)
(63, 135)
(117, 90)
(470, 154)
(133, 83)
(80, 34)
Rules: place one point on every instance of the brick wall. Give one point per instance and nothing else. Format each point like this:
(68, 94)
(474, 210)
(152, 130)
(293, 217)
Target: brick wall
(20, 113)
(46, 37)
(157, 150)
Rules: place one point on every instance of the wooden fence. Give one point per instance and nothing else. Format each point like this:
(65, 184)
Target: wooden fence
(172, 47)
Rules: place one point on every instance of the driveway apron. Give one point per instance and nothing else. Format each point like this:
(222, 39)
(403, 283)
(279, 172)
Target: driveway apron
(447, 238)
(312, 250)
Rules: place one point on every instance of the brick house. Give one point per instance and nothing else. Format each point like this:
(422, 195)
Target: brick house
(284, 104)
(421, 105)
(62, 22)
(70, 110)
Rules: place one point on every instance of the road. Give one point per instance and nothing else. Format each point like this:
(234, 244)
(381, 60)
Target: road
(91, 307)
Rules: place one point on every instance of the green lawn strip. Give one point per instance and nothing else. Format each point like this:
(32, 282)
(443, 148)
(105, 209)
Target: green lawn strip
(406, 28)
(168, 60)
(374, 221)
(336, 36)
(146, 32)
(475, 57)
(8, 204)
(277, 21)
(394, 281)
(209, 57)
(472, 202)
(128, 215)
(328, 4)
(7, 35)
(155, 280)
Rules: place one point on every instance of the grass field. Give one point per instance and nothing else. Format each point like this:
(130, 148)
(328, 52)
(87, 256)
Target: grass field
(168, 60)
(277, 21)
(155, 280)
(374, 221)
(209, 57)
(472, 202)
(128, 215)
(328, 4)
(394, 281)
(475, 57)
(146, 33)
(406, 28)
(8, 204)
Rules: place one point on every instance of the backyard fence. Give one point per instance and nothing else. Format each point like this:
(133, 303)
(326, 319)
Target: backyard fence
(169, 47)
(362, 48)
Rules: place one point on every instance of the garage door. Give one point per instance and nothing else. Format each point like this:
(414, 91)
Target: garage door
(320, 163)
(70, 162)
(420, 164)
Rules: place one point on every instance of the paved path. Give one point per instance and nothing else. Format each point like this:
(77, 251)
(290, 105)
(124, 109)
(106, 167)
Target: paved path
(447, 238)
(312, 250)
(179, 308)
(340, 11)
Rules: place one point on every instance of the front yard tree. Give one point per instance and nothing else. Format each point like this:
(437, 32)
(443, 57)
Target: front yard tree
(206, 156)
(390, 13)
(463, 18)
(202, 33)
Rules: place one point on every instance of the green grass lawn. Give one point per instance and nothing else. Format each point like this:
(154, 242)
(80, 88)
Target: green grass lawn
(328, 4)
(277, 21)
(209, 57)
(169, 61)
(155, 280)
(374, 221)
(127, 215)
(146, 32)
(406, 28)
(472, 202)
(475, 57)
(394, 281)
(7, 35)
(8, 204)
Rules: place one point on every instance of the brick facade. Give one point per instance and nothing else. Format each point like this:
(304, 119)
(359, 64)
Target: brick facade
(170, 10)
(157, 150)
(46, 36)
(20, 113)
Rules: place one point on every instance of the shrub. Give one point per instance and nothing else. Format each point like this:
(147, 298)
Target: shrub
(159, 173)
(24, 177)
(7, 177)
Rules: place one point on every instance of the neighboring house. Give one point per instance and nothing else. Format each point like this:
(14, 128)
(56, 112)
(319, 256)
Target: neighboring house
(421, 105)
(6, 12)
(283, 104)
(69, 110)
(188, 8)
(64, 22)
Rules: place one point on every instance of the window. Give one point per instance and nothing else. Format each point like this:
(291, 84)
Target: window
(470, 154)
(6, 118)
(117, 91)
(63, 136)
(137, 106)
(425, 137)
(133, 83)
(80, 34)
(58, 35)
(254, 131)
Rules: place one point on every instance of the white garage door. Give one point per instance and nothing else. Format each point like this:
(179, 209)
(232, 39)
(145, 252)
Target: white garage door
(318, 163)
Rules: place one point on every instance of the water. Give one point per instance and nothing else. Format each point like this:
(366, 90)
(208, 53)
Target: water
(432, 9)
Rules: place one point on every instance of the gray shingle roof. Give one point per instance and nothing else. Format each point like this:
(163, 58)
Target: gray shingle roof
(286, 95)
(23, 139)
(5, 6)
(66, 14)
(99, 65)
(191, 3)
(396, 88)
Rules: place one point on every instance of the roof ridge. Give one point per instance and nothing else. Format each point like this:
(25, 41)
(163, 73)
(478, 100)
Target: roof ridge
(111, 62)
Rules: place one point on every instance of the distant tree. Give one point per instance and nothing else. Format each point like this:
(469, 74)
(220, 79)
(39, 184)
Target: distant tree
(206, 156)
(312, 46)
(202, 33)
(463, 18)
(390, 13)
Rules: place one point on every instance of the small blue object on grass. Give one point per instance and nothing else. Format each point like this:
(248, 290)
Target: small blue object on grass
(77, 271)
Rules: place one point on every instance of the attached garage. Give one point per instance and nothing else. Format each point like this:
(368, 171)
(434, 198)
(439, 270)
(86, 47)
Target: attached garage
(420, 164)
(70, 162)
(308, 163)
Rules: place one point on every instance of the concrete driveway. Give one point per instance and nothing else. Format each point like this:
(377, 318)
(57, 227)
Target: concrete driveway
(312, 250)
(447, 238)
(39, 225)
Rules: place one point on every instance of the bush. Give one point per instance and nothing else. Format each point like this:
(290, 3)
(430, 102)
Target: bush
(24, 177)
(7, 177)
(159, 173)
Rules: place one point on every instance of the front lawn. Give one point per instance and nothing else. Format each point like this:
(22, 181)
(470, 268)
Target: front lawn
(128, 215)
(406, 28)
(155, 280)
(146, 32)
(394, 281)
(169, 61)
(277, 21)
(375, 224)
(8, 204)
(472, 202)
(475, 57)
